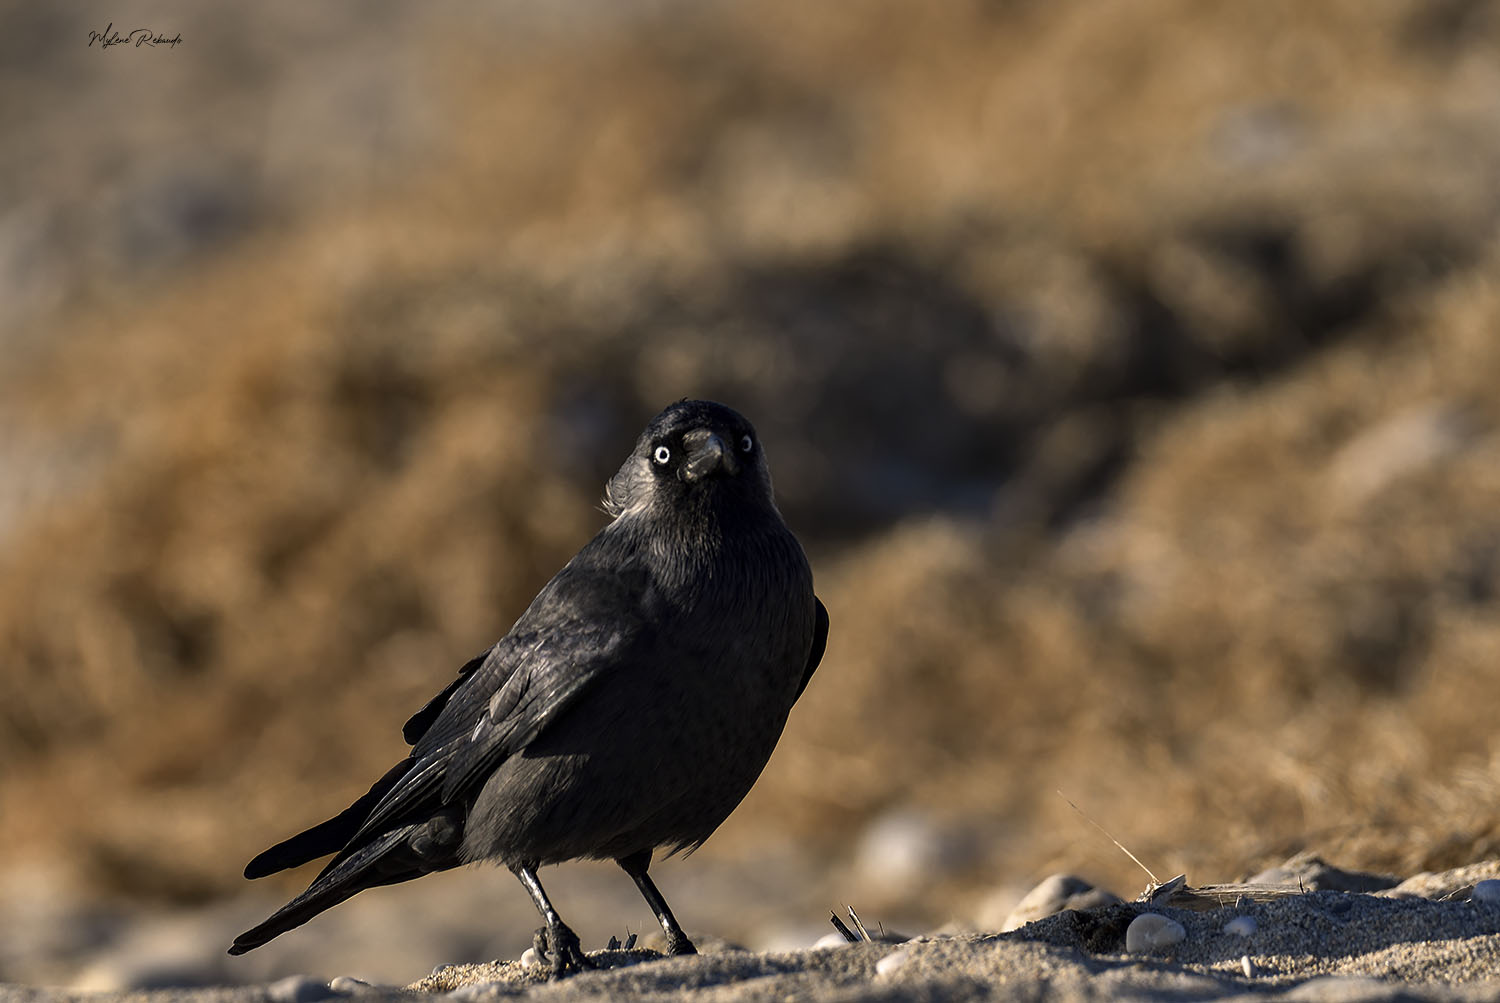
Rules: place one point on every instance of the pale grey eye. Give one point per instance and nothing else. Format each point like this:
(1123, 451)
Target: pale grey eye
(747, 444)
(662, 455)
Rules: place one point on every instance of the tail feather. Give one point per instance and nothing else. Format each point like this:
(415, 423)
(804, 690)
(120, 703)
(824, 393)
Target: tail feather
(351, 877)
(399, 855)
(326, 837)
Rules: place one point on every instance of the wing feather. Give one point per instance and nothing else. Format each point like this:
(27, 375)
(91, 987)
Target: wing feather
(506, 697)
(819, 644)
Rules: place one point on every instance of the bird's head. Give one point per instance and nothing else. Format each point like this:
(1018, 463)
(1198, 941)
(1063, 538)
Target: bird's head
(693, 454)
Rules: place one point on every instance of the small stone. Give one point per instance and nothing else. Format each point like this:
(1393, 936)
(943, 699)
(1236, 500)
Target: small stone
(1486, 891)
(1241, 926)
(344, 985)
(1052, 896)
(893, 961)
(834, 939)
(1247, 966)
(298, 989)
(528, 956)
(1150, 931)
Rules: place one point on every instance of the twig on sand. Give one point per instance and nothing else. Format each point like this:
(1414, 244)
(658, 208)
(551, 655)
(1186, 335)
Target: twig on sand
(859, 934)
(1210, 897)
(858, 925)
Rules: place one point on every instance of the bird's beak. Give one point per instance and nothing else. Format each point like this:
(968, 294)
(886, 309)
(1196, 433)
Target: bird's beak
(707, 454)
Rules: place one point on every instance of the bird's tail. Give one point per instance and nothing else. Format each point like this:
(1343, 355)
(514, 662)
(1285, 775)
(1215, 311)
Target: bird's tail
(404, 853)
(345, 879)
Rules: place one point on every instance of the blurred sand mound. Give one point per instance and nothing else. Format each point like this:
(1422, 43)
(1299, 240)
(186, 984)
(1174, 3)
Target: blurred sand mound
(1128, 369)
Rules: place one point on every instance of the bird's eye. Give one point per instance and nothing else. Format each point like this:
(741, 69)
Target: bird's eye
(662, 455)
(746, 444)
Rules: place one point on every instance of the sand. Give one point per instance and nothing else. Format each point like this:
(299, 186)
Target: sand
(1428, 938)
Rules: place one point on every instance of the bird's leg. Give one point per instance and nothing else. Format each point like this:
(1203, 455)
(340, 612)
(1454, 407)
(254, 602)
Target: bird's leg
(635, 865)
(554, 942)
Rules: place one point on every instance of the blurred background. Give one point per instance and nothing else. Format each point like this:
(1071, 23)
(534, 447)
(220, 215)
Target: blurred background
(1127, 368)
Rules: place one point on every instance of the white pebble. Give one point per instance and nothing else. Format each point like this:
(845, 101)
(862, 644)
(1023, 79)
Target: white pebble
(346, 984)
(528, 956)
(1242, 926)
(298, 989)
(1150, 930)
(1247, 966)
(1486, 891)
(833, 939)
(891, 962)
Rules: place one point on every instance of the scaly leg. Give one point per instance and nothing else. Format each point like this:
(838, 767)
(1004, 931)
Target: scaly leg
(635, 865)
(554, 943)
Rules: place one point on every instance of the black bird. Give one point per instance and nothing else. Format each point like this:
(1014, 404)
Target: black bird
(629, 709)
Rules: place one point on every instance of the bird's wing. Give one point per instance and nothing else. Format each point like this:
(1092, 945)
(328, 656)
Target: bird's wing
(819, 643)
(416, 726)
(585, 622)
(551, 673)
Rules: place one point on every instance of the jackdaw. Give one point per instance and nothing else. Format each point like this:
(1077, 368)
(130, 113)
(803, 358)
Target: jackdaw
(629, 709)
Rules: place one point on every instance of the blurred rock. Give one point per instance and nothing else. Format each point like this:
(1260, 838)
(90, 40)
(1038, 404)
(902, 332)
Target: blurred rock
(1445, 884)
(1312, 873)
(299, 989)
(1052, 896)
(347, 985)
(903, 852)
(160, 953)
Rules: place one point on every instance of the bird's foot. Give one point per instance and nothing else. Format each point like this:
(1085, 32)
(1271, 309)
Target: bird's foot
(558, 947)
(678, 943)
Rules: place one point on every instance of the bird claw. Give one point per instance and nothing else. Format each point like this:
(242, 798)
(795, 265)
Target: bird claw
(679, 944)
(560, 950)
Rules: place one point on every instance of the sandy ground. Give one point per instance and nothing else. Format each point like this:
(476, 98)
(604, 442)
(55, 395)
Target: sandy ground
(1431, 937)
